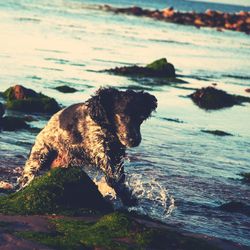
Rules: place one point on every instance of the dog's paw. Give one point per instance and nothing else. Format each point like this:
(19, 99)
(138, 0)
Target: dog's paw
(24, 181)
(126, 196)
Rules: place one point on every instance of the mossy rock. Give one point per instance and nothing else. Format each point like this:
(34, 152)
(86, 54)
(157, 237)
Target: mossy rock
(162, 67)
(212, 98)
(11, 123)
(33, 105)
(117, 231)
(65, 89)
(19, 92)
(59, 191)
(27, 100)
(158, 68)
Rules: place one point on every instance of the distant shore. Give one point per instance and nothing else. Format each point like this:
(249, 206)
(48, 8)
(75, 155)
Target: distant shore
(210, 18)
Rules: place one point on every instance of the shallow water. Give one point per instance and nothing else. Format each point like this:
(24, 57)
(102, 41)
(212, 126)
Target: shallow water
(180, 174)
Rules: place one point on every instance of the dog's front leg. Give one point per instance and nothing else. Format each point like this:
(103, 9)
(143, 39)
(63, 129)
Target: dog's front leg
(115, 178)
(40, 159)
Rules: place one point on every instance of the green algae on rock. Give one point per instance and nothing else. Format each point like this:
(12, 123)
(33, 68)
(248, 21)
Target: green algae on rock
(117, 230)
(65, 89)
(58, 191)
(158, 68)
(162, 67)
(27, 100)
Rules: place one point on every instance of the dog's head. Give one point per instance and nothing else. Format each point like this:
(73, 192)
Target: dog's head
(122, 112)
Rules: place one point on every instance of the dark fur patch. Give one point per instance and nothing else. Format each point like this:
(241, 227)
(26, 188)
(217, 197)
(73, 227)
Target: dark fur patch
(68, 121)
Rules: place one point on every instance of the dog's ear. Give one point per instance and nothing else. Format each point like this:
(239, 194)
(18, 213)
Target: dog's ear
(146, 102)
(101, 106)
(150, 102)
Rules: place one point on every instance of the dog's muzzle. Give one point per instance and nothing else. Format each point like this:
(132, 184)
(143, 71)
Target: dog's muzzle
(130, 140)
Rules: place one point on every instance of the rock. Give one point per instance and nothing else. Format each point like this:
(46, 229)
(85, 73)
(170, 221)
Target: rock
(5, 185)
(158, 68)
(65, 89)
(212, 98)
(247, 90)
(11, 123)
(168, 13)
(29, 118)
(18, 92)
(246, 176)
(236, 207)
(216, 132)
(1, 110)
(137, 11)
(162, 68)
(210, 18)
(27, 100)
(61, 190)
(114, 231)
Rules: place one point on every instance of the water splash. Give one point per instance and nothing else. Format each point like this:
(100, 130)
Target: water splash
(151, 192)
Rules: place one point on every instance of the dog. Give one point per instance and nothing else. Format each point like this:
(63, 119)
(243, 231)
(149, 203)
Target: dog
(96, 132)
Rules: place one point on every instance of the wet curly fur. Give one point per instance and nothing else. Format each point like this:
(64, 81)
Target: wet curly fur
(96, 132)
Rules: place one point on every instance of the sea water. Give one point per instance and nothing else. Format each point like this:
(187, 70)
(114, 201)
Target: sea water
(179, 174)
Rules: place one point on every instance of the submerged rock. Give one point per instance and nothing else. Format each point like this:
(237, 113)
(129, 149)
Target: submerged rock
(27, 100)
(11, 123)
(236, 207)
(212, 98)
(60, 190)
(158, 68)
(246, 176)
(216, 132)
(65, 89)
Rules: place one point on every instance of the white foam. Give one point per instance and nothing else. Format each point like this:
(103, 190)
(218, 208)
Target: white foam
(153, 198)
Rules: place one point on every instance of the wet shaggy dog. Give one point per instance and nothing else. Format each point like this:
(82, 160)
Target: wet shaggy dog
(96, 132)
